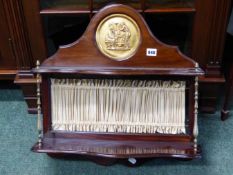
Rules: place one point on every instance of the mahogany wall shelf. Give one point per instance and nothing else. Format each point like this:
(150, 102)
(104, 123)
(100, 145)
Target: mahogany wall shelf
(84, 59)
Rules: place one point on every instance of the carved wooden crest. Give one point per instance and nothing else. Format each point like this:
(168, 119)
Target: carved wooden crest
(118, 42)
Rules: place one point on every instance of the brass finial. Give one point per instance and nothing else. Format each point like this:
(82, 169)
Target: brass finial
(37, 64)
(196, 66)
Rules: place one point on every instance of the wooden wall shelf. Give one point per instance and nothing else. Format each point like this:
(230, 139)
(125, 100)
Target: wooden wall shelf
(83, 59)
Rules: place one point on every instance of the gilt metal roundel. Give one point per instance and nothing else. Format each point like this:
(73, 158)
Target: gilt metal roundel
(118, 37)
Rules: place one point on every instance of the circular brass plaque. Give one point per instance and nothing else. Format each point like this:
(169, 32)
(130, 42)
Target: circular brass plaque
(118, 37)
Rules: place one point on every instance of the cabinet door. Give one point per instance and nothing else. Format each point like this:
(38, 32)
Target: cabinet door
(7, 59)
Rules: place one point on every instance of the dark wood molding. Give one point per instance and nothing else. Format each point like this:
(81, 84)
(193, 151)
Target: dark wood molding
(7, 74)
(26, 45)
(18, 32)
(8, 65)
(209, 34)
(35, 30)
(26, 40)
(207, 47)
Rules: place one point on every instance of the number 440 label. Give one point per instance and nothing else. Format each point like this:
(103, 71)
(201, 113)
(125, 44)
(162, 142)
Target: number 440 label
(151, 52)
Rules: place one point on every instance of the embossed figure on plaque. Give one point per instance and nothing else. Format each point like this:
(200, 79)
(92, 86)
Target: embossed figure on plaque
(118, 36)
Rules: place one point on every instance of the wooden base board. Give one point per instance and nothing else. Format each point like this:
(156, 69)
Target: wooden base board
(117, 146)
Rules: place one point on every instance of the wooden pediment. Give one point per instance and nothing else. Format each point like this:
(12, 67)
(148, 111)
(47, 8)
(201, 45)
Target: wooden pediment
(86, 55)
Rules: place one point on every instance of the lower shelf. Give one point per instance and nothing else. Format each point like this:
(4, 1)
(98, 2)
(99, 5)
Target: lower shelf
(108, 147)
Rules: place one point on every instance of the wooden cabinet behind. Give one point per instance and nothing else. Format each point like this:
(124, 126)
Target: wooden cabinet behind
(209, 31)
(8, 64)
(23, 42)
(16, 43)
(20, 29)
